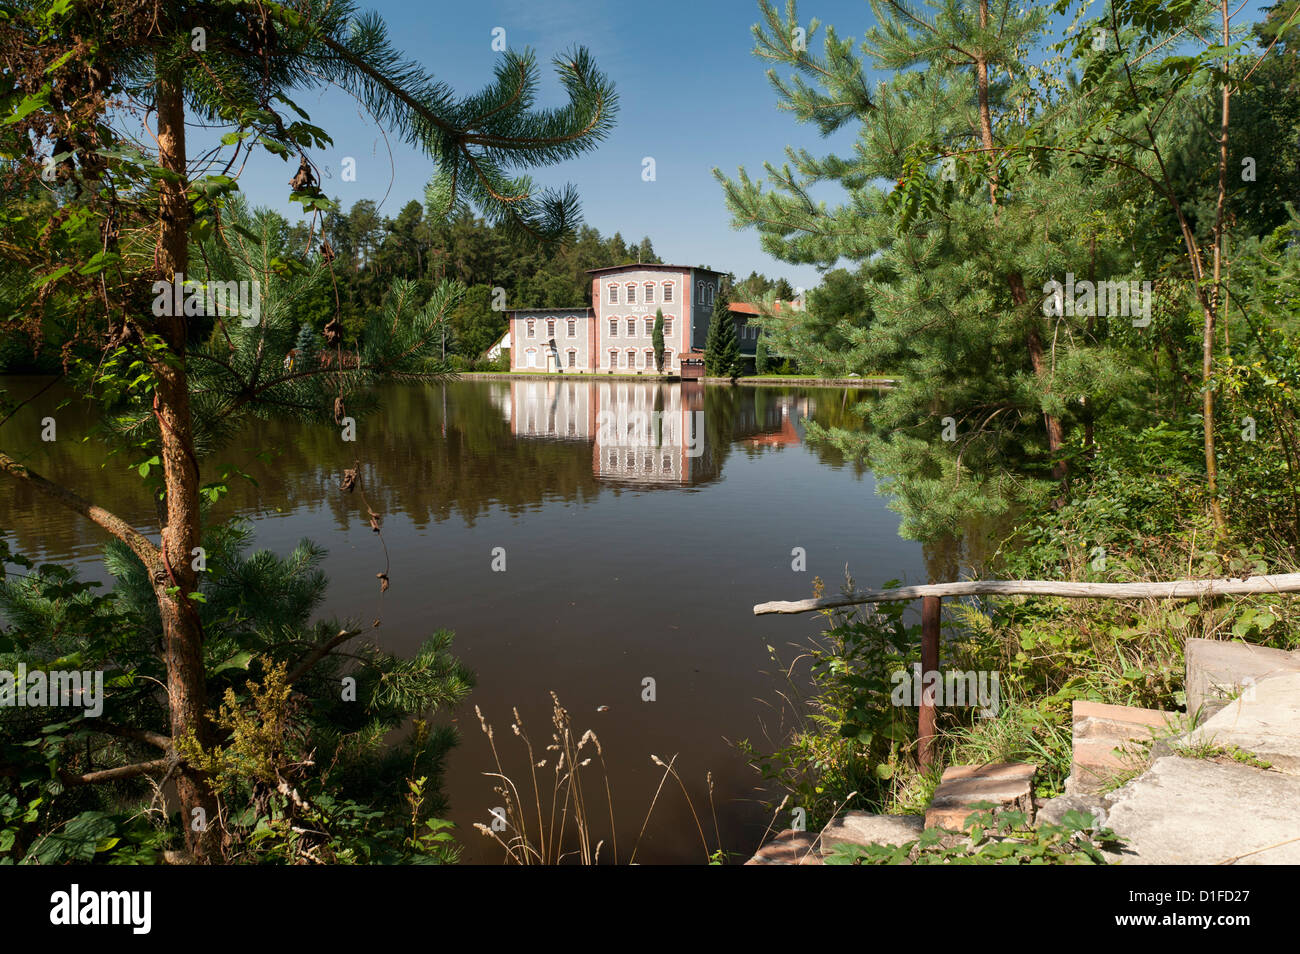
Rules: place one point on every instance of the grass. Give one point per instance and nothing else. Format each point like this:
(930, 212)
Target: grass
(551, 819)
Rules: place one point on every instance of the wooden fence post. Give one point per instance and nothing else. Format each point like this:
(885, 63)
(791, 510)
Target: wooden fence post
(931, 609)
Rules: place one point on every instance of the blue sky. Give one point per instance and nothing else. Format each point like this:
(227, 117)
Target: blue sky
(692, 96)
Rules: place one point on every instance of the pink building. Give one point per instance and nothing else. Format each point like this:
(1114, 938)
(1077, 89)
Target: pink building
(615, 335)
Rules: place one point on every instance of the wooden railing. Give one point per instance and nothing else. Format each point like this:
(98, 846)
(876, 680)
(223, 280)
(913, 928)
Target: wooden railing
(932, 594)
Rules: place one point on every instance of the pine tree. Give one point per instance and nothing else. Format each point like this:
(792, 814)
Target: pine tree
(760, 355)
(137, 211)
(952, 254)
(721, 346)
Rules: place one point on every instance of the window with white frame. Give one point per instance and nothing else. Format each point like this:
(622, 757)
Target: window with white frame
(573, 327)
(649, 293)
(532, 328)
(668, 359)
(631, 359)
(631, 294)
(550, 327)
(668, 291)
(573, 358)
(649, 327)
(649, 359)
(631, 327)
(613, 359)
(613, 294)
(613, 327)
(668, 327)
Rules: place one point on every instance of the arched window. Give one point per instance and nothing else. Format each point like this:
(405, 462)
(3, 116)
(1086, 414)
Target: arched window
(708, 294)
(532, 358)
(631, 294)
(699, 292)
(573, 327)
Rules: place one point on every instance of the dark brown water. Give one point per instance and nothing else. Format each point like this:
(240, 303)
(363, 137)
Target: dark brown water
(635, 546)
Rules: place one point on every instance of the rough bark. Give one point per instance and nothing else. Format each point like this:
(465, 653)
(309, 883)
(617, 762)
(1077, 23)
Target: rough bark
(182, 629)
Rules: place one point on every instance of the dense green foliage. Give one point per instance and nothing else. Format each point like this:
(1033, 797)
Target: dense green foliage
(1081, 443)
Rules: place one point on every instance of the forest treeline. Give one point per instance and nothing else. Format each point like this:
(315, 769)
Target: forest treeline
(371, 249)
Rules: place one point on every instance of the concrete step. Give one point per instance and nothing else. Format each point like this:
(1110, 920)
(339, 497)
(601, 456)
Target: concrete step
(1218, 671)
(1109, 742)
(1263, 722)
(1200, 812)
(1008, 785)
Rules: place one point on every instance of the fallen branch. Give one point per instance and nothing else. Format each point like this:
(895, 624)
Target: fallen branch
(114, 774)
(1174, 589)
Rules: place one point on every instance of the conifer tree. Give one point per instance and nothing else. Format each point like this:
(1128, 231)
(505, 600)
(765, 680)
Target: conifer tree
(657, 339)
(952, 252)
(721, 347)
(135, 213)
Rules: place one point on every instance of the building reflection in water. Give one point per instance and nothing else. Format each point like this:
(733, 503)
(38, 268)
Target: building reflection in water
(650, 433)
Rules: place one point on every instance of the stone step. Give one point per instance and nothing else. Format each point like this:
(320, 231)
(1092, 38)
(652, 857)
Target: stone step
(1218, 671)
(792, 847)
(1008, 785)
(1200, 812)
(1264, 722)
(1108, 742)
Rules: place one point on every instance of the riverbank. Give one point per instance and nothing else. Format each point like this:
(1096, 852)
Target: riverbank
(753, 381)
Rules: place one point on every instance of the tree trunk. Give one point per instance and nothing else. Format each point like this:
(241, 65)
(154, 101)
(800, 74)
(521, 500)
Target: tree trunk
(1055, 435)
(1207, 343)
(986, 113)
(182, 629)
(1014, 280)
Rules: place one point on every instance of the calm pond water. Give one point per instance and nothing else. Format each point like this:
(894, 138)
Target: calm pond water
(639, 522)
